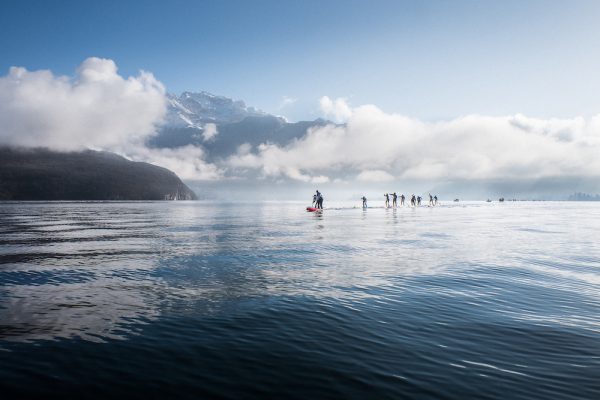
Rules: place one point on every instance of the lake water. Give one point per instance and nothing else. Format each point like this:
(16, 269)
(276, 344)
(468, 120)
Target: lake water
(199, 299)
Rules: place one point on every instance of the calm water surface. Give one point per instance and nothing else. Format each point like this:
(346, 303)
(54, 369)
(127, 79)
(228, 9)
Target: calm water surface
(198, 299)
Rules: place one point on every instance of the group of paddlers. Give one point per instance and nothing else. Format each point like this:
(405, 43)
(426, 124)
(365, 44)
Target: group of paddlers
(414, 200)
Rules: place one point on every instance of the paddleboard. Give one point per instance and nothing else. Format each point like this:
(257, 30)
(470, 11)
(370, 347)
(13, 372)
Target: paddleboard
(312, 209)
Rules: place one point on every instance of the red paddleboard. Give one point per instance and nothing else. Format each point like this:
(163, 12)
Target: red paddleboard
(312, 209)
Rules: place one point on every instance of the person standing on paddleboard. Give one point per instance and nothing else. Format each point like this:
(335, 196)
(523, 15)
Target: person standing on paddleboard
(418, 200)
(402, 199)
(430, 199)
(387, 200)
(364, 199)
(435, 200)
(394, 200)
(319, 200)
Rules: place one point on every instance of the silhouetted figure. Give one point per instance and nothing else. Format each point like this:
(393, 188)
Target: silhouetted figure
(364, 199)
(402, 199)
(319, 200)
(413, 200)
(430, 199)
(387, 200)
(418, 200)
(435, 200)
(394, 200)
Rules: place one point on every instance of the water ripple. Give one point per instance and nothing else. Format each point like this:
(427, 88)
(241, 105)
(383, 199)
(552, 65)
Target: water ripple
(266, 300)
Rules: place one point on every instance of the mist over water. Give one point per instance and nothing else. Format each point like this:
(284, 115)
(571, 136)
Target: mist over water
(464, 300)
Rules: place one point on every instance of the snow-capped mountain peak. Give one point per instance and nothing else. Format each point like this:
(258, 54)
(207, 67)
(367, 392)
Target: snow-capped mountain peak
(194, 109)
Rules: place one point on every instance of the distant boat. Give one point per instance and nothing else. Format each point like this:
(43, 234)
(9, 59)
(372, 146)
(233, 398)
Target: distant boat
(501, 199)
(489, 201)
(456, 200)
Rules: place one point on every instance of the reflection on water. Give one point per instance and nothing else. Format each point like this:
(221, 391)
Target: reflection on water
(76, 270)
(93, 310)
(442, 302)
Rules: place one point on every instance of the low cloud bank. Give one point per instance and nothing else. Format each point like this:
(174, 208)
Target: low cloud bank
(98, 108)
(187, 161)
(376, 146)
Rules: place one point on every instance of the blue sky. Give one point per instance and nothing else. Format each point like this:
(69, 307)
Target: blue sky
(427, 59)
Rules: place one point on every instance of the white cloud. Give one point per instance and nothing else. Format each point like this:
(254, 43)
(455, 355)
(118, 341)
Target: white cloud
(287, 101)
(98, 109)
(187, 161)
(338, 108)
(210, 132)
(380, 146)
(319, 179)
(375, 176)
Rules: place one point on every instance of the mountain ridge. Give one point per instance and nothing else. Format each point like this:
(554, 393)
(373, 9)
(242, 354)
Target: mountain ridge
(234, 124)
(194, 109)
(43, 174)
